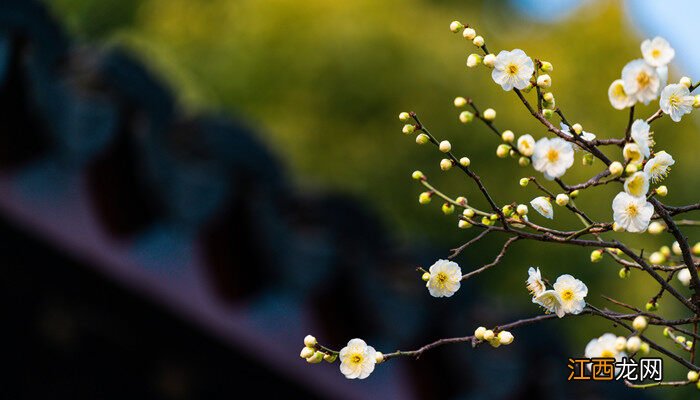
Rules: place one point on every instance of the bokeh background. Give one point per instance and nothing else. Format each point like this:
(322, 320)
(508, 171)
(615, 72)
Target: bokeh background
(246, 182)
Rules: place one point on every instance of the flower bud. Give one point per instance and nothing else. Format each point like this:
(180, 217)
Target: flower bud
(661, 190)
(547, 113)
(546, 66)
(696, 101)
(696, 249)
(408, 129)
(524, 181)
(596, 255)
(495, 343)
(615, 168)
(548, 97)
(479, 333)
(577, 128)
(651, 306)
(656, 227)
(631, 168)
(676, 248)
(493, 217)
(644, 348)
(462, 224)
(587, 159)
(466, 117)
(426, 276)
(488, 334)
(316, 358)
(445, 164)
(521, 209)
(544, 81)
(473, 60)
(478, 41)
(490, 114)
(310, 341)
(523, 161)
(507, 210)
(307, 352)
(574, 194)
(404, 116)
(448, 208)
(468, 212)
(633, 344)
(456, 26)
(693, 376)
(422, 138)
(505, 337)
(489, 60)
(417, 175)
(685, 81)
(620, 343)
(465, 162)
(624, 273)
(330, 358)
(445, 146)
(461, 200)
(502, 150)
(666, 251)
(684, 277)
(424, 198)
(379, 357)
(508, 136)
(680, 339)
(657, 258)
(640, 323)
(460, 102)
(469, 33)
(562, 199)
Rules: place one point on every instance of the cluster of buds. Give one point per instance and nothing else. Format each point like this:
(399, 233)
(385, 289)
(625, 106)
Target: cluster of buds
(313, 353)
(680, 340)
(494, 339)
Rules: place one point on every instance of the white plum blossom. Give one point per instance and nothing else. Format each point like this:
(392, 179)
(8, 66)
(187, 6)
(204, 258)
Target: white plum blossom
(619, 99)
(604, 347)
(657, 52)
(543, 205)
(526, 145)
(658, 167)
(550, 301)
(357, 360)
(632, 153)
(584, 135)
(513, 69)
(445, 277)
(637, 184)
(552, 157)
(632, 213)
(676, 101)
(642, 135)
(640, 81)
(684, 276)
(535, 284)
(572, 293)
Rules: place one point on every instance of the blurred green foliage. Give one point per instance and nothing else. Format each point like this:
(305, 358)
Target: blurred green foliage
(325, 80)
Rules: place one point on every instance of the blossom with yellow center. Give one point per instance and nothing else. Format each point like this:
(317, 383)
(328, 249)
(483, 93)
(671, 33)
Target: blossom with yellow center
(552, 157)
(357, 360)
(618, 97)
(550, 301)
(512, 69)
(604, 347)
(572, 293)
(526, 145)
(676, 101)
(642, 136)
(632, 213)
(657, 52)
(535, 285)
(640, 81)
(632, 153)
(445, 278)
(658, 167)
(637, 184)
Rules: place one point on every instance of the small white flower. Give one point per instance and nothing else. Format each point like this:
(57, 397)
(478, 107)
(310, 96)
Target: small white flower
(632, 213)
(357, 360)
(642, 136)
(684, 276)
(676, 101)
(552, 157)
(657, 52)
(445, 277)
(637, 184)
(604, 347)
(543, 205)
(640, 81)
(658, 167)
(632, 153)
(618, 97)
(535, 284)
(572, 293)
(550, 301)
(512, 69)
(526, 145)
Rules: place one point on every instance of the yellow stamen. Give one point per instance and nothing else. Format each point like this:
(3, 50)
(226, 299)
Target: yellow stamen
(552, 155)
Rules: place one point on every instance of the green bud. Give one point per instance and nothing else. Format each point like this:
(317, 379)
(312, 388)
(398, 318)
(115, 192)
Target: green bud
(448, 208)
(624, 273)
(652, 306)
